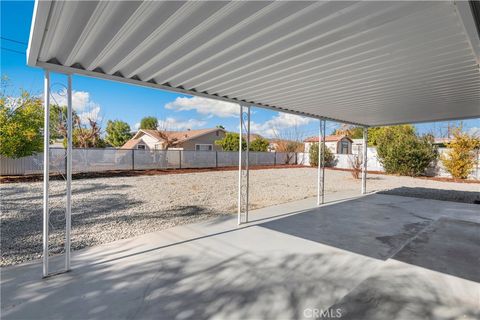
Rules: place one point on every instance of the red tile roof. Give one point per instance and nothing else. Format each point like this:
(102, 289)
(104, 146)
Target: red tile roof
(130, 144)
(178, 136)
(332, 138)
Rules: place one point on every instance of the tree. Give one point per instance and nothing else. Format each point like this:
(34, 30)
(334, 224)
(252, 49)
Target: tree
(374, 133)
(288, 141)
(353, 132)
(355, 162)
(230, 142)
(88, 136)
(58, 123)
(259, 145)
(168, 141)
(118, 133)
(313, 155)
(220, 127)
(402, 151)
(149, 123)
(460, 158)
(21, 126)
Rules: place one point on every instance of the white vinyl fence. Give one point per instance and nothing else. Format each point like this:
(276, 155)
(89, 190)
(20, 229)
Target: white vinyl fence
(98, 160)
(343, 161)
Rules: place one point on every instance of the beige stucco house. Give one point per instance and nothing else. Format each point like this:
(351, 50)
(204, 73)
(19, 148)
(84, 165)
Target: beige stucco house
(194, 140)
(336, 143)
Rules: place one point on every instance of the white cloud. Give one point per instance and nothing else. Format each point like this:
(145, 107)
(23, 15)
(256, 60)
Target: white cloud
(174, 124)
(93, 114)
(205, 106)
(137, 126)
(81, 103)
(279, 124)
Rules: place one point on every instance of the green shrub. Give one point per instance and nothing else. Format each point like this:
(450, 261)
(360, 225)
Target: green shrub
(230, 142)
(21, 126)
(118, 133)
(259, 145)
(402, 151)
(313, 153)
(149, 123)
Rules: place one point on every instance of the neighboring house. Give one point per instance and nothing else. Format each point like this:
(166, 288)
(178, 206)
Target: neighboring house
(199, 140)
(357, 146)
(279, 145)
(253, 136)
(336, 144)
(441, 142)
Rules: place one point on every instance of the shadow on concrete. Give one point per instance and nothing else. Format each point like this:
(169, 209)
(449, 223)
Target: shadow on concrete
(447, 246)
(242, 286)
(207, 280)
(437, 194)
(402, 294)
(370, 229)
(407, 231)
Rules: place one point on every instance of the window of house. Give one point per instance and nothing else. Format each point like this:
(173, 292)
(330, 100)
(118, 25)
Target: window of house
(203, 147)
(344, 147)
(141, 146)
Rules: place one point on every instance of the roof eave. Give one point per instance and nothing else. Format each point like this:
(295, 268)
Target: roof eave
(52, 66)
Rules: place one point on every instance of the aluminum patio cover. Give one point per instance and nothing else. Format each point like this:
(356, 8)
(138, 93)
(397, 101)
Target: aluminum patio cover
(366, 63)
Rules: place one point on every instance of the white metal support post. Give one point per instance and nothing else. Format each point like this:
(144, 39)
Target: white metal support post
(324, 127)
(319, 165)
(364, 160)
(46, 175)
(46, 168)
(68, 209)
(243, 164)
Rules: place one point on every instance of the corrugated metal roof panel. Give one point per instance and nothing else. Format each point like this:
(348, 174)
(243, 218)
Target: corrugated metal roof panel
(370, 63)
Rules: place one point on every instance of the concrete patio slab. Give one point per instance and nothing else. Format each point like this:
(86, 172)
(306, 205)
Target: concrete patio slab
(403, 291)
(282, 265)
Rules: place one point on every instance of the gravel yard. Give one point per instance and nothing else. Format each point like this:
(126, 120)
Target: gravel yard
(109, 209)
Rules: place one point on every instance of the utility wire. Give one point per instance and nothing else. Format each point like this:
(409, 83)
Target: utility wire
(13, 40)
(12, 50)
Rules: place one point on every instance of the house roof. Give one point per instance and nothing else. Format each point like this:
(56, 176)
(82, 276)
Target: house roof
(130, 144)
(369, 62)
(283, 141)
(441, 140)
(253, 136)
(332, 138)
(178, 136)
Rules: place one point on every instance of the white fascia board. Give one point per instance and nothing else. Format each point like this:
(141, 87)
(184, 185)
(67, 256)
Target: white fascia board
(40, 17)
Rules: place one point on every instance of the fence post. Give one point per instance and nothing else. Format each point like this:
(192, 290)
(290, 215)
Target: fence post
(296, 159)
(133, 159)
(216, 159)
(275, 158)
(179, 159)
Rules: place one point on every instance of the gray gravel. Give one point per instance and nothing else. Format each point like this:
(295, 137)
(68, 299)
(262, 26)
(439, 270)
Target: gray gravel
(109, 209)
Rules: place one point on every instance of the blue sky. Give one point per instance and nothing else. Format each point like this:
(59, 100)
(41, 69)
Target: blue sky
(112, 100)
